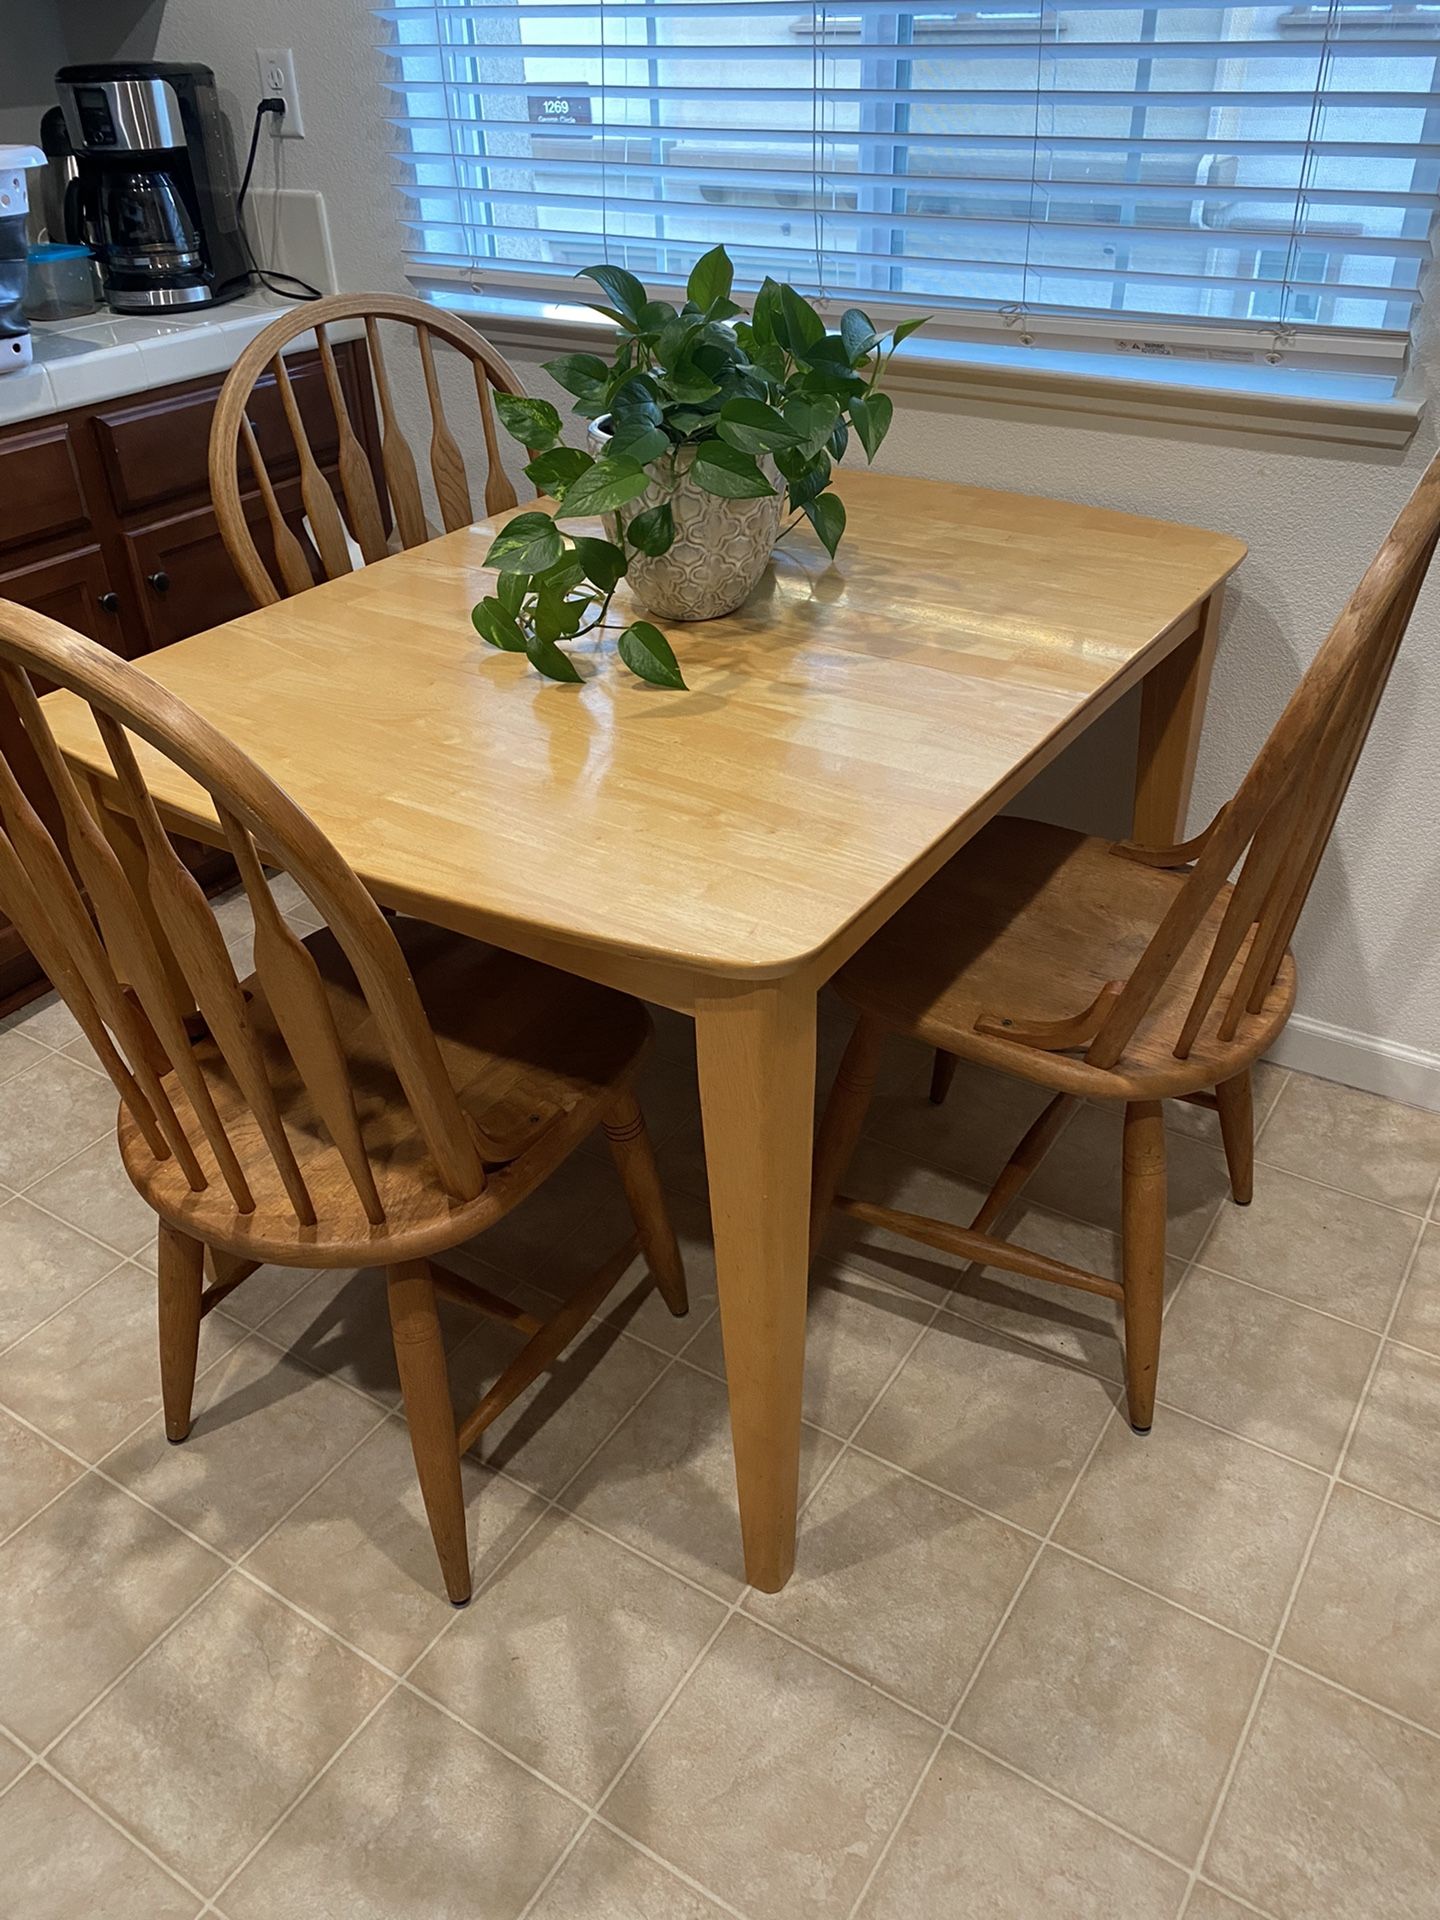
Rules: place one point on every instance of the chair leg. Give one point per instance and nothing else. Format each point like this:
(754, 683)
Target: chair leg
(181, 1266)
(842, 1120)
(1237, 1132)
(420, 1356)
(942, 1075)
(634, 1158)
(1143, 1205)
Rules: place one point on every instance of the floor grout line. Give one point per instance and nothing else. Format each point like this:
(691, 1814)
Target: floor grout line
(1262, 1684)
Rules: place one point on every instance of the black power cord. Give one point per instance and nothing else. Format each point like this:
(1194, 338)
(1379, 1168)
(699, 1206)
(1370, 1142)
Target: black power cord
(292, 288)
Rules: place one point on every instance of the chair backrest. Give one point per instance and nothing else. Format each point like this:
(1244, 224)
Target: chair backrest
(1278, 825)
(366, 506)
(130, 941)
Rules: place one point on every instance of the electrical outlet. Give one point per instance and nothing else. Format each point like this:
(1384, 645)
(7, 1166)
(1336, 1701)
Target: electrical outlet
(277, 80)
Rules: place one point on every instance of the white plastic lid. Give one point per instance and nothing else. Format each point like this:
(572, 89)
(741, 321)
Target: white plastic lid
(13, 162)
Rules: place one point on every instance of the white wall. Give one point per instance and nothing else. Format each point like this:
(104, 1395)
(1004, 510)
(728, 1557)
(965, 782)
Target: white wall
(1370, 944)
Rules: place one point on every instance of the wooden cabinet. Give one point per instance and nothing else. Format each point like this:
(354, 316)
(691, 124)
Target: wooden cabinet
(108, 528)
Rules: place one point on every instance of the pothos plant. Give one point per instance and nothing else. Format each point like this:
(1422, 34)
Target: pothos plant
(700, 376)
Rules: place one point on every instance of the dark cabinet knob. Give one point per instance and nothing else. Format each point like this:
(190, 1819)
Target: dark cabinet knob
(109, 603)
(159, 581)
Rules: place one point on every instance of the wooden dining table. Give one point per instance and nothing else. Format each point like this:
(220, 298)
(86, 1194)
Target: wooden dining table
(721, 851)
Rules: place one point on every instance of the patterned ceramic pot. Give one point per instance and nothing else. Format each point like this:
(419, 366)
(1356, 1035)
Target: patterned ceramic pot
(721, 547)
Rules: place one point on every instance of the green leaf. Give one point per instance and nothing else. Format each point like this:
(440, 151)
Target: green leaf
(826, 513)
(810, 420)
(691, 420)
(907, 327)
(871, 419)
(547, 658)
(527, 544)
(635, 398)
(624, 290)
(534, 423)
(495, 626)
(603, 561)
(711, 278)
(857, 331)
(798, 325)
(806, 477)
(554, 470)
(649, 655)
(655, 316)
(754, 427)
(510, 590)
(765, 314)
(640, 441)
(582, 374)
(839, 440)
(609, 484)
(722, 469)
(653, 531)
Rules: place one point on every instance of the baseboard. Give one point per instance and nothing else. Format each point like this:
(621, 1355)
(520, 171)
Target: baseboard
(1360, 1060)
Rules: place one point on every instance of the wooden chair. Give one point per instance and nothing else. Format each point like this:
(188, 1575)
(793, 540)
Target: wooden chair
(373, 1095)
(372, 523)
(1124, 972)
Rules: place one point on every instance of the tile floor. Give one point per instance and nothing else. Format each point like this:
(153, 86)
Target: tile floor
(1029, 1665)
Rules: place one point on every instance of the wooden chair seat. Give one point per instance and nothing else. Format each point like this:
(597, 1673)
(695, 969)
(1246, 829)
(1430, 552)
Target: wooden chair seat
(1040, 918)
(534, 1056)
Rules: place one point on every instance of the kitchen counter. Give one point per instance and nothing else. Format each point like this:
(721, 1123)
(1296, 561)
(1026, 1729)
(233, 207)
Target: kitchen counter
(103, 354)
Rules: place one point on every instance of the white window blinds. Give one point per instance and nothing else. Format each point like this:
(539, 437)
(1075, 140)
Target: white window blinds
(1253, 183)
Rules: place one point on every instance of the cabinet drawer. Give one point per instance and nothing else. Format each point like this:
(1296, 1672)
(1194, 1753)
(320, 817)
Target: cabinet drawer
(40, 486)
(183, 579)
(157, 449)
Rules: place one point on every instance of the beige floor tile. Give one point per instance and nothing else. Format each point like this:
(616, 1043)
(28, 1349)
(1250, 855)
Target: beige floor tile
(1207, 1904)
(42, 1265)
(569, 1652)
(50, 1109)
(266, 1429)
(18, 1051)
(665, 1481)
(991, 1420)
(975, 1131)
(891, 1179)
(47, 1020)
(1202, 1517)
(264, 1293)
(548, 1433)
(607, 1879)
(1331, 1814)
(32, 1472)
(1325, 1249)
(207, 1741)
(1356, 1141)
(1017, 1852)
(1116, 1698)
(1417, 1318)
(90, 1375)
(63, 1860)
(1080, 1176)
(857, 1333)
(1366, 1611)
(417, 1820)
(340, 1325)
(538, 1242)
(93, 1192)
(13, 1761)
(1078, 1326)
(774, 1779)
(84, 1589)
(636, 1304)
(357, 1553)
(1395, 1450)
(1265, 1368)
(900, 1583)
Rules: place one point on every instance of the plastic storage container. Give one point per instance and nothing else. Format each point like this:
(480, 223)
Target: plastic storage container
(14, 248)
(60, 284)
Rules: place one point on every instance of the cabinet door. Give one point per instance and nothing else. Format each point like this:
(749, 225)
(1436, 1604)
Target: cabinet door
(75, 590)
(183, 578)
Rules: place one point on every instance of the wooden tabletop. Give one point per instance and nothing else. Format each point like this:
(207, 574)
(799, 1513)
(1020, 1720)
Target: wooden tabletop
(845, 730)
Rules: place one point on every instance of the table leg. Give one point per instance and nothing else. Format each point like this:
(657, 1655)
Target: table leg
(1172, 711)
(757, 1090)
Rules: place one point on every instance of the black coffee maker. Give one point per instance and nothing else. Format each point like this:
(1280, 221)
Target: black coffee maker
(154, 198)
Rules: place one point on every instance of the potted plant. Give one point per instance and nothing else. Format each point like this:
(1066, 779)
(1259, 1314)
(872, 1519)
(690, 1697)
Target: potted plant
(705, 425)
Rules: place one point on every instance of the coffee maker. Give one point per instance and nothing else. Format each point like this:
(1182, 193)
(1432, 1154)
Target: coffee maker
(154, 198)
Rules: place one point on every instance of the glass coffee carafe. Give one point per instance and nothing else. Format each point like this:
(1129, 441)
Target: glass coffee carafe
(145, 226)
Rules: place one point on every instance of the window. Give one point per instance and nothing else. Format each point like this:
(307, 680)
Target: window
(1249, 184)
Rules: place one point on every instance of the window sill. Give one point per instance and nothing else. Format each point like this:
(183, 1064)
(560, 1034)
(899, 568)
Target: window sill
(949, 375)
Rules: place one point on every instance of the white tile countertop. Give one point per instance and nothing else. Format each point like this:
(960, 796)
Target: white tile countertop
(103, 354)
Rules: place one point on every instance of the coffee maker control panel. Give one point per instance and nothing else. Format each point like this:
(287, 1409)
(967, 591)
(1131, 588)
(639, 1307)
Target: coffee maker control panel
(123, 116)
